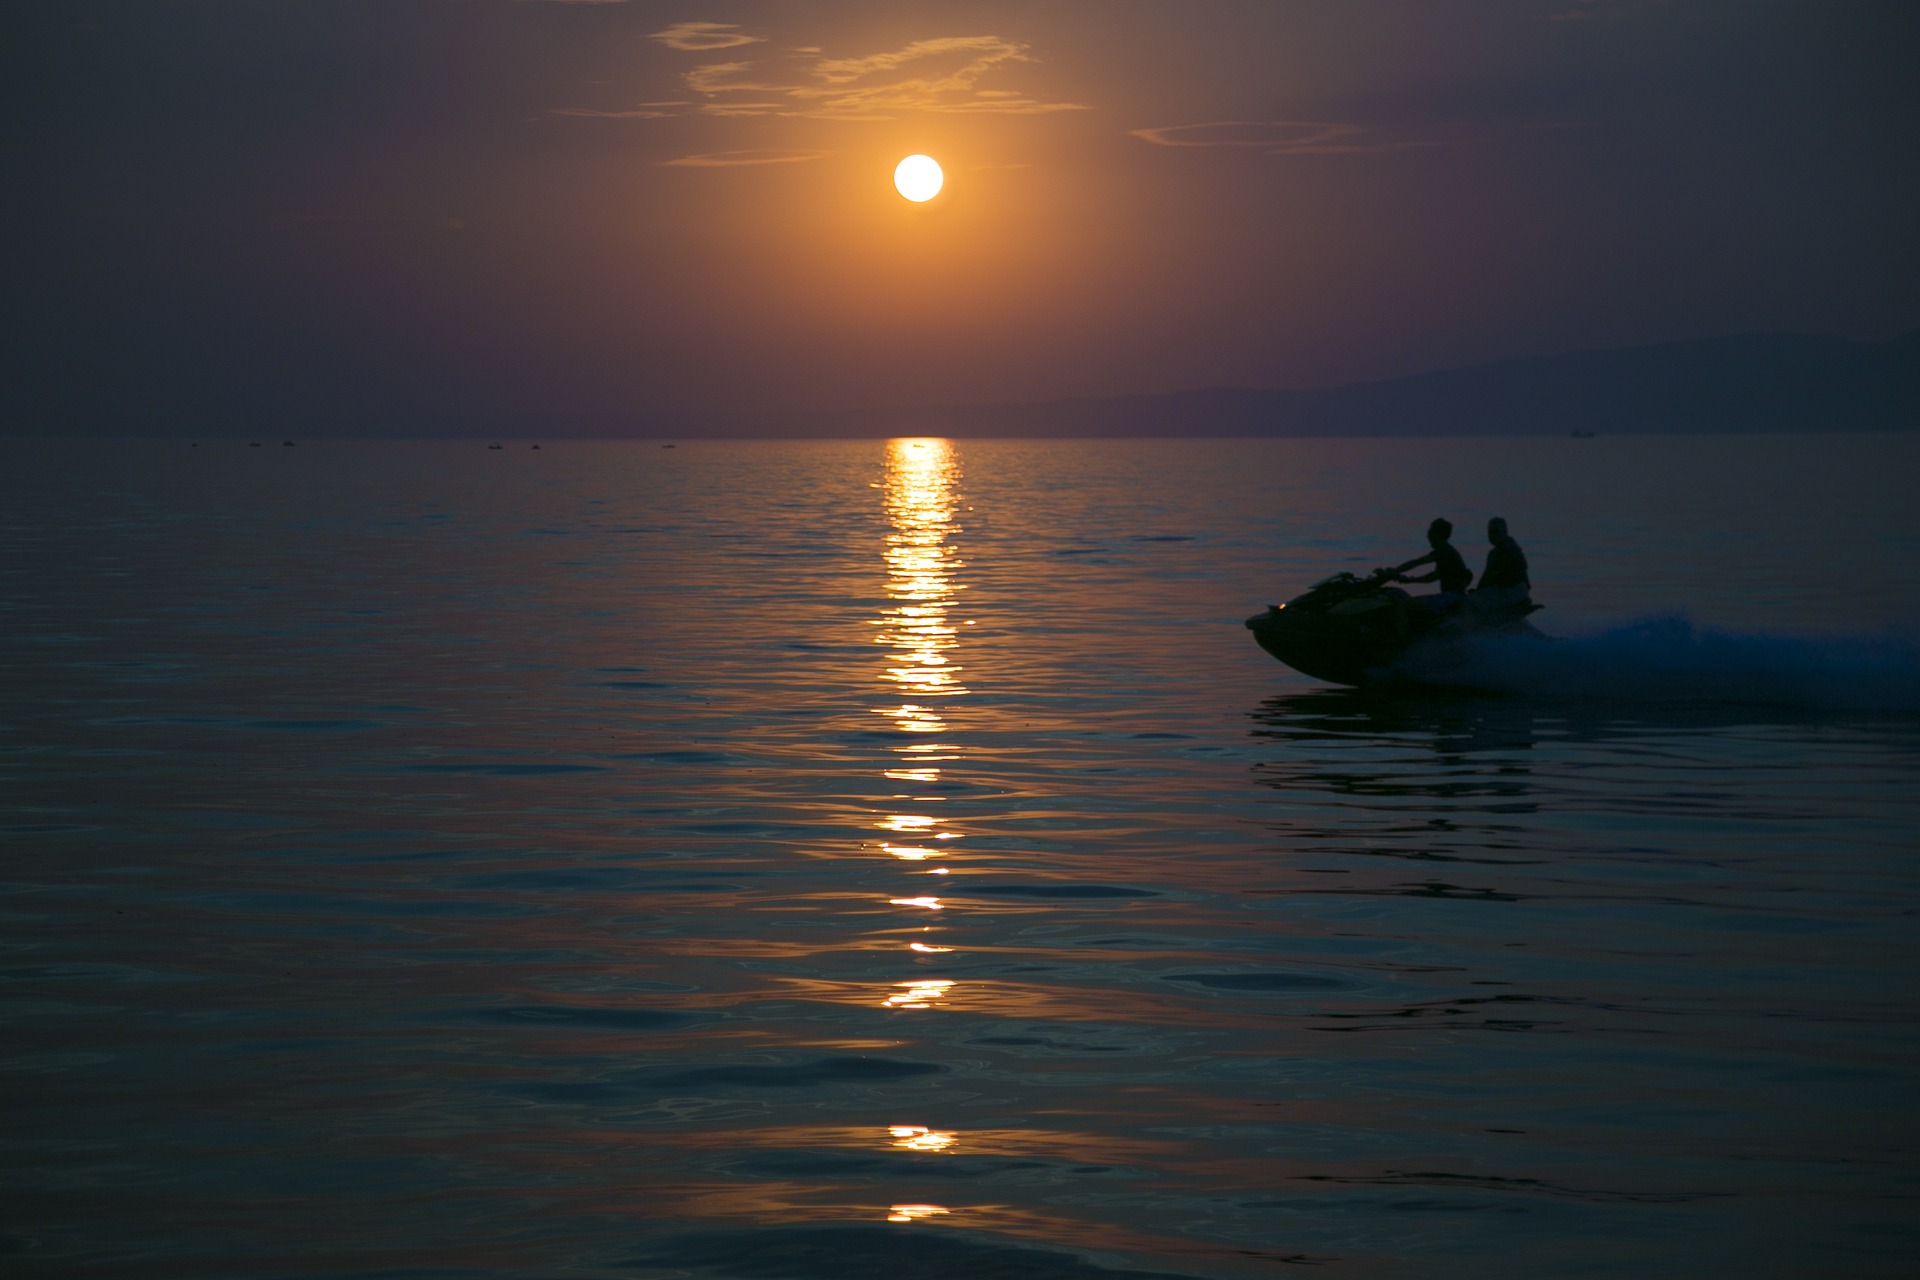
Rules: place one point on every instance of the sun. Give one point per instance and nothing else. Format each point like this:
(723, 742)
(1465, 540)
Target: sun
(918, 178)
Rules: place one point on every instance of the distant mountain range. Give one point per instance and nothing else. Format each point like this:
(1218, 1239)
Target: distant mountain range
(1765, 382)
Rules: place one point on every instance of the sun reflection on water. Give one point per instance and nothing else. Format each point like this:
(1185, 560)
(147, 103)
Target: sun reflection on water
(924, 994)
(922, 673)
(909, 1212)
(917, 1137)
(919, 636)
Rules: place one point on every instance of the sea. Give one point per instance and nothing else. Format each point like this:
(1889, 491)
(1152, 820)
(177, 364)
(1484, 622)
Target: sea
(846, 860)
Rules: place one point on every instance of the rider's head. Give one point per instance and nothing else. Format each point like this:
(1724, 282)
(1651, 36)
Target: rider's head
(1439, 531)
(1496, 530)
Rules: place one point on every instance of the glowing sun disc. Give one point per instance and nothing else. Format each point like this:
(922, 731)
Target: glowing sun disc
(918, 178)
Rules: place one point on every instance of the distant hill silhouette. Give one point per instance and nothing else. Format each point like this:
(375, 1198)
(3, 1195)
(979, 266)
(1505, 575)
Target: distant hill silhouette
(1767, 382)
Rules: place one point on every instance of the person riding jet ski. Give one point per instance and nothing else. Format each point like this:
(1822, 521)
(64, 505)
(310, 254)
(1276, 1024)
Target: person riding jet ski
(1503, 583)
(1449, 570)
(1352, 630)
(1449, 566)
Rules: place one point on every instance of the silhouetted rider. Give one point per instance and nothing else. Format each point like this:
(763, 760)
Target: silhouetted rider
(1449, 567)
(1504, 580)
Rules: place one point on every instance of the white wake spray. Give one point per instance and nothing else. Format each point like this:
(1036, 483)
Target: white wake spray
(1668, 659)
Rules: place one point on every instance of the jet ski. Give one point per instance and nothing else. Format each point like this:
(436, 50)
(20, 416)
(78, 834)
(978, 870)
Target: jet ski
(1357, 631)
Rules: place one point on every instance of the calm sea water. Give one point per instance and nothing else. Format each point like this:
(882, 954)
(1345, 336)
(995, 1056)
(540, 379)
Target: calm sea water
(862, 859)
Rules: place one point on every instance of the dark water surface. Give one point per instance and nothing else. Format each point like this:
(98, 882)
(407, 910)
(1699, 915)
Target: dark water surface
(861, 860)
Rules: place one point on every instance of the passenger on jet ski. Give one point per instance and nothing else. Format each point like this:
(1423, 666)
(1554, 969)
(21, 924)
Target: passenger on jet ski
(1503, 583)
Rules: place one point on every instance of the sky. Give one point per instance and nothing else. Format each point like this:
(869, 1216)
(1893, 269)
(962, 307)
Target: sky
(607, 217)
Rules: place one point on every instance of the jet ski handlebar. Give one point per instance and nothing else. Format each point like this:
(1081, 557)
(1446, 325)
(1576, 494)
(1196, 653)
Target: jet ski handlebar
(1347, 581)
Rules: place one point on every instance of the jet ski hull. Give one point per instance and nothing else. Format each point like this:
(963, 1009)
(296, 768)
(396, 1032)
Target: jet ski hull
(1325, 649)
(1354, 632)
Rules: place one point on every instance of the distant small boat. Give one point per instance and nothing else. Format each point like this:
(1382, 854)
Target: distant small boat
(496, 446)
(253, 444)
(1583, 435)
(533, 446)
(286, 444)
(666, 446)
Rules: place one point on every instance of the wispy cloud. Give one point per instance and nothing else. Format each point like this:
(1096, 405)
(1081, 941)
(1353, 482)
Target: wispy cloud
(939, 75)
(733, 159)
(943, 75)
(699, 37)
(645, 111)
(1277, 137)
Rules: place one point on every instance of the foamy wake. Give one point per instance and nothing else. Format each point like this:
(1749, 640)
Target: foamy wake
(1667, 659)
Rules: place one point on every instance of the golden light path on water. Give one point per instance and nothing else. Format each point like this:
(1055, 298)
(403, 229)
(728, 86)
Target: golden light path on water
(921, 641)
(922, 679)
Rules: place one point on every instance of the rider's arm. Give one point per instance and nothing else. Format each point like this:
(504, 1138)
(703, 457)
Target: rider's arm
(1414, 564)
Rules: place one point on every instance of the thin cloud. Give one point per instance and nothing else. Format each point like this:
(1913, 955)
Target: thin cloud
(941, 75)
(1276, 137)
(743, 109)
(714, 74)
(734, 159)
(700, 37)
(645, 111)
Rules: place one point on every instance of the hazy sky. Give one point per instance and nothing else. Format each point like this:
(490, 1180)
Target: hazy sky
(576, 216)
